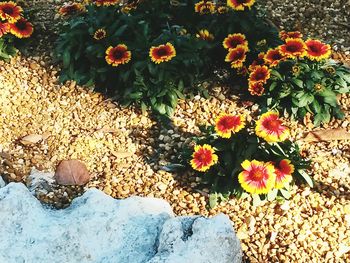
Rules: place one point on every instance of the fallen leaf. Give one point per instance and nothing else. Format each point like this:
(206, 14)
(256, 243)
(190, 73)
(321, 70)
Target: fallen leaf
(31, 139)
(122, 154)
(72, 172)
(327, 135)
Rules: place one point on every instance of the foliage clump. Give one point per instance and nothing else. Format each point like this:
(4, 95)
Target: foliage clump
(14, 27)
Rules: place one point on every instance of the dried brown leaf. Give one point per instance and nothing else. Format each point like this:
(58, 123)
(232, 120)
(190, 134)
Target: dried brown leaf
(327, 135)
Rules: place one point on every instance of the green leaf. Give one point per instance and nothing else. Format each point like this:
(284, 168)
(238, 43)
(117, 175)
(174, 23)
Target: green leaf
(271, 196)
(256, 200)
(66, 58)
(315, 106)
(213, 200)
(306, 177)
(273, 86)
(298, 82)
(285, 193)
(120, 31)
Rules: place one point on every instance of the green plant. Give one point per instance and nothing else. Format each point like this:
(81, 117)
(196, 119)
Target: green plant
(195, 34)
(297, 78)
(13, 28)
(233, 159)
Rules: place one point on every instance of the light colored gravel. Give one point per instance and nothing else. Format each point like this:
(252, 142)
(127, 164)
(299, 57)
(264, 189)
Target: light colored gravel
(324, 19)
(124, 150)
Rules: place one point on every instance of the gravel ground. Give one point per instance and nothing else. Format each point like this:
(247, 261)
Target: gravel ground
(324, 19)
(124, 151)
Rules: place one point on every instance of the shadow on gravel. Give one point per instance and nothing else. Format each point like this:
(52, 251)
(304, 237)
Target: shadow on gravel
(329, 191)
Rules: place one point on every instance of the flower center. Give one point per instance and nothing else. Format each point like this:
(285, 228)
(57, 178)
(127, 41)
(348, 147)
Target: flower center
(242, 1)
(257, 175)
(21, 25)
(204, 157)
(260, 75)
(118, 54)
(314, 49)
(293, 48)
(162, 52)
(8, 10)
(235, 42)
(273, 124)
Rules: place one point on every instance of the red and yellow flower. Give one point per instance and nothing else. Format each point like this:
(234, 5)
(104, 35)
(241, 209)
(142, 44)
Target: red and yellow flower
(21, 28)
(204, 7)
(283, 171)
(273, 57)
(237, 56)
(294, 34)
(235, 40)
(100, 34)
(118, 55)
(203, 158)
(270, 128)
(10, 11)
(4, 28)
(226, 125)
(260, 74)
(316, 50)
(257, 177)
(71, 9)
(258, 62)
(222, 10)
(240, 5)
(205, 35)
(162, 53)
(293, 48)
(106, 2)
(256, 88)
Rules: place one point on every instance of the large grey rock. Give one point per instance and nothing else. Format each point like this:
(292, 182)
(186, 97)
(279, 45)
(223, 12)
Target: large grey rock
(97, 228)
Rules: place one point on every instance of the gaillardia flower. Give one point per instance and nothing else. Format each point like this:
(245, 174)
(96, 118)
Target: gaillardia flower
(259, 61)
(118, 55)
(234, 40)
(256, 88)
(283, 171)
(237, 56)
(203, 157)
(205, 7)
(316, 50)
(10, 11)
(21, 28)
(227, 124)
(273, 57)
(70, 9)
(257, 177)
(100, 34)
(105, 2)
(240, 5)
(260, 74)
(205, 35)
(270, 128)
(4, 28)
(294, 34)
(162, 53)
(222, 10)
(293, 48)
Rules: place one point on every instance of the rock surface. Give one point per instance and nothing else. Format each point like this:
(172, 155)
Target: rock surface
(97, 228)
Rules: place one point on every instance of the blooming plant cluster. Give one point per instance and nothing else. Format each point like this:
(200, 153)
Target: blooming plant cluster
(257, 158)
(297, 77)
(152, 52)
(13, 27)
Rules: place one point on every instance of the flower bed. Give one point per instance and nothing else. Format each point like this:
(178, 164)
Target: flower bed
(14, 27)
(236, 157)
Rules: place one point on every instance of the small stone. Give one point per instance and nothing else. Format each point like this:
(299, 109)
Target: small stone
(72, 172)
